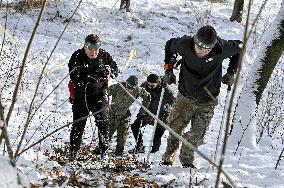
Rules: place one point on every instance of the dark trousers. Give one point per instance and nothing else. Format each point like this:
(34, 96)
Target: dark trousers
(139, 123)
(81, 108)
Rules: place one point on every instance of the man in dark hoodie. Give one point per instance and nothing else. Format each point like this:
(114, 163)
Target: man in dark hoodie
(153, 85)
(199, 85)
(89, 70)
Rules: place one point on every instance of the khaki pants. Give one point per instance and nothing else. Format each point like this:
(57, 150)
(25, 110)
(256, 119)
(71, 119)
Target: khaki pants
(121, 125)
(186, 110)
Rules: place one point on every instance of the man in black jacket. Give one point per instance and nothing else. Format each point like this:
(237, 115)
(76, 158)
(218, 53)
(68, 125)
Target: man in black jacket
(89, 70)
(199, 85)
(154, 86)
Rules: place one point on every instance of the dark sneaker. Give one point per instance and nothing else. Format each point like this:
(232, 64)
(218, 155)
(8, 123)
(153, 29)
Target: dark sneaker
(167, 163)
(137, 150)
(155, 147)
(96, 151)
(72, 155)
(104, 157)
(188, 166)
(118, 153)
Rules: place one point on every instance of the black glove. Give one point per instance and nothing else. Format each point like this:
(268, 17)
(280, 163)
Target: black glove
(228, 79)
(169, 77)
(141, 115)
(114, 73)
(128, 113)
(71, 100)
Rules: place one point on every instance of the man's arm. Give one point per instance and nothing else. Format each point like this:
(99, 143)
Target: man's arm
(146, 96)
(173, 47)
(232, 50)
(112, 64)
(74, 69)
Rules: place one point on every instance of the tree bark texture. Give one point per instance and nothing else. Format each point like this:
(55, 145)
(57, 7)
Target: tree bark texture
(272, 54)
(237, 14)
(125, 4)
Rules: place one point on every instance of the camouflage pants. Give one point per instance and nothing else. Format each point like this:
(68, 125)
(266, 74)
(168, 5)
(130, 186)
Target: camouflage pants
(186, 110)
(121, 125)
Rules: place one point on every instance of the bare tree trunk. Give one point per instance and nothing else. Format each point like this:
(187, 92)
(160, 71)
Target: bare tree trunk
(271, 56)
(125, 4)
(244, 132)
(237, 14)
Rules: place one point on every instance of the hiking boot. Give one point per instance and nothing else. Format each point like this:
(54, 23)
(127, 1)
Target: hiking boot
(72, 155)
(166, 163)
(190, 165)
(118, 153)
(103, 157)
(137, 150)
(155, 148)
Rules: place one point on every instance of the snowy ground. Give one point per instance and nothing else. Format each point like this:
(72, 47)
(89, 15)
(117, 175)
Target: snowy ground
(146, 30)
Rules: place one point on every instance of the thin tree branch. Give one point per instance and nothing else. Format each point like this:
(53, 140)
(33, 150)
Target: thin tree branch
(279, 158)
(228, 122)
(40, 78)
(39, 126)
(5, 133)
(184, 141)
(56, 130)
(5, 27)
(14, 98)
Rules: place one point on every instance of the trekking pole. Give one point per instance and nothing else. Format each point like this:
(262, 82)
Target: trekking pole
(155, 124)
(223, 121)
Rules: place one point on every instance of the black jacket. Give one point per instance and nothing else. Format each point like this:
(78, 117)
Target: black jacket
(167, 102)
(90, 76)
(197, 73)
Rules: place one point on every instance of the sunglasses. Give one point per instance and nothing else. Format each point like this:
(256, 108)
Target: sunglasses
(130, 86)
(152, 85)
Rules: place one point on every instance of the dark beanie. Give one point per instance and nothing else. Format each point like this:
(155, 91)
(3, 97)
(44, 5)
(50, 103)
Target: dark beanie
(132, 81)
(206, 37)
(153, 78)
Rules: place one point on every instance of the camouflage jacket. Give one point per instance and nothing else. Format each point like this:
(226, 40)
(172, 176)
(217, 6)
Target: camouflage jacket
(121, 101)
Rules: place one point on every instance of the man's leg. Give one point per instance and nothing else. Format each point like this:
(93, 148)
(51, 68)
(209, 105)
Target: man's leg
(157, 138)
(178, 121)
(113, 124)
(199, 124)
(136, 130)
(122, 133)
(79, 110)
(101, 102)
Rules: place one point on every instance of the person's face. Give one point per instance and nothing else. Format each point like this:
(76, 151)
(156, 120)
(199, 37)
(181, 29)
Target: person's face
(130, 87)
(92, 53)
(152, 86)
(201, 52)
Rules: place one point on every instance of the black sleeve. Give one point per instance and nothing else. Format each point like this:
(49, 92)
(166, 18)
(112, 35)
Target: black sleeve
(74, 69)
(232, 50)
(110, 62)
(173, 47)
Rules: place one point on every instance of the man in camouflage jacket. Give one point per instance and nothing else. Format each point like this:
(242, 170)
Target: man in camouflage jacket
(120, 116)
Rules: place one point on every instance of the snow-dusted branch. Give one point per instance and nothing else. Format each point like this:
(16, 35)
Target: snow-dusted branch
(39, 80)
(5, 134)
(58, 129)
(229, 110)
